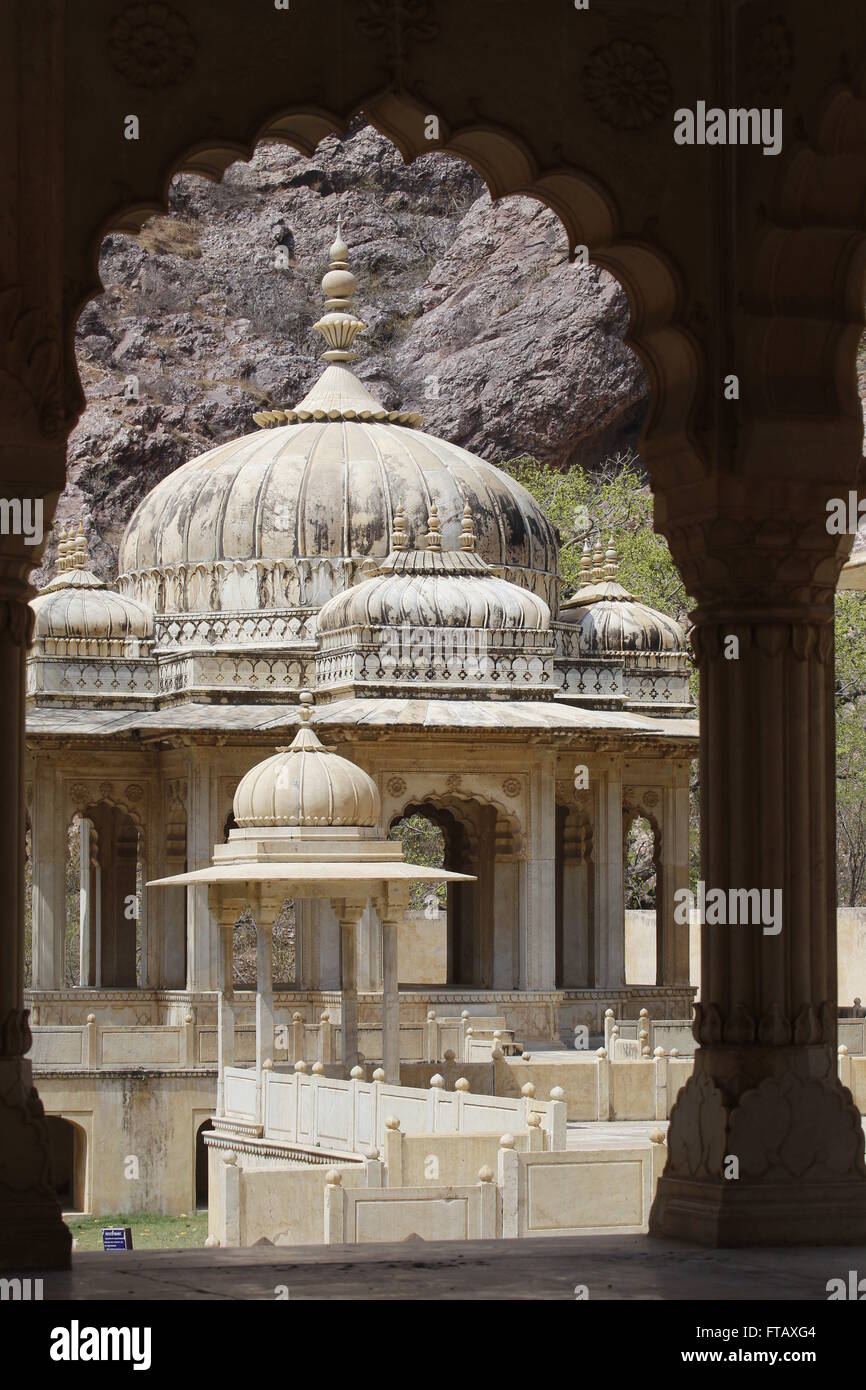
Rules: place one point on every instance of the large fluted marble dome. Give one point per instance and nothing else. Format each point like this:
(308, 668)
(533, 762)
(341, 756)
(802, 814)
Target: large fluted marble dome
(306, 785)
(285, 518)
(329, 490)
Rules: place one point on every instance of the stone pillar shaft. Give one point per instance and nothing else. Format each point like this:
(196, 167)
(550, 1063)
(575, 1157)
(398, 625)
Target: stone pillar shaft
(49, 878)
(348, 919)
(764, 1089)
(390, 1002)
(264, 1005)
(608, 900)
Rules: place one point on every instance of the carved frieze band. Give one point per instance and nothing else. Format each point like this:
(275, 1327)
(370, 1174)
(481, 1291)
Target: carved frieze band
(774, 1028)
(806, 641)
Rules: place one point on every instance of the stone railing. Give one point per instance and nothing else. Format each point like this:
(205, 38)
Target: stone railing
(671, 1034)
(189, 1043)
(452, 1187)
(313, 1110)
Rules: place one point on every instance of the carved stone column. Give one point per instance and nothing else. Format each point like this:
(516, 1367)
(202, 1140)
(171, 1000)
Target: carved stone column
(576, 935)
(608, 900)
(506, 908)
(391, 909)
(225, 1004)
(202, 832)
(538, 907)
(265, 916)
(32, 1233)
(765, 1091)
(348, 914)
(672, 875)
(49, 877)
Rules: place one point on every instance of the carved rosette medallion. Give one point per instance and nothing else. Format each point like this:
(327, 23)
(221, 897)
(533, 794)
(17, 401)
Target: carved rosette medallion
(511, 786)
(151, 45)
(396, 786)
(627, 85)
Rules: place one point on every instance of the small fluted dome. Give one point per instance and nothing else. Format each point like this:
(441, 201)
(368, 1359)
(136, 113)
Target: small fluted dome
(429, 588)
(611, 627)
(610, 620)
(306, 784)
(77, 607)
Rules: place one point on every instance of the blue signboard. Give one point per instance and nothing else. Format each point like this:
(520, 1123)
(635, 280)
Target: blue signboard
(117, 1237)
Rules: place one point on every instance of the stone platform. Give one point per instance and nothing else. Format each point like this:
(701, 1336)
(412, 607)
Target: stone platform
(612, 1267)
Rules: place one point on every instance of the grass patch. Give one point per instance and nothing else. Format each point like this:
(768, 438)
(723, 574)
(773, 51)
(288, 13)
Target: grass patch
(150, 1230)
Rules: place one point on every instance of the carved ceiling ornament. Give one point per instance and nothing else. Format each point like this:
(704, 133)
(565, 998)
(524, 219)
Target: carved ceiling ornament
(151, 45)
(771, 62)
(396, 23)
(30, 362)
(627, 85)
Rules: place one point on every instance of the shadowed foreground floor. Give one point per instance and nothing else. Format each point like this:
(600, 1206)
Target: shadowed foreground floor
(612, 1267)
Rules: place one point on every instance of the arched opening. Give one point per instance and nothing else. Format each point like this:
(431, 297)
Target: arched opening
(576, 963)
(465, 831)
(103, 908)
(244, 940)
(422, 945)
(201, 1165)
(68, 1148)
(641, 850)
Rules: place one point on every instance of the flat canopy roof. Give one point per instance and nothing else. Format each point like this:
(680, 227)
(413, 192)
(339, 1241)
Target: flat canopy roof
(314, 873)
(387, 715)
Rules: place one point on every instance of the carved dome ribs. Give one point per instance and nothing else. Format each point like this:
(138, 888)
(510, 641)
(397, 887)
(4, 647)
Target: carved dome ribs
(315, 495)
(326, 491)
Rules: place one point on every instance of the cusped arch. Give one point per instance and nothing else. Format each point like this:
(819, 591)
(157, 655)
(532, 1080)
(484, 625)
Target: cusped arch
(669, 352)
(457, 803)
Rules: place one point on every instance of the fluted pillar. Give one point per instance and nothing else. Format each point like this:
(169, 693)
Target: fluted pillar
(265, 917)
(32, 1234)
(225, 1007)
(764, 1091)
(348, 915)
(672, 878)
(49, 878)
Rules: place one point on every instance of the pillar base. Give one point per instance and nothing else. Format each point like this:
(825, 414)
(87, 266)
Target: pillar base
(724, 1214)
(32, 1233)
(765, 1147)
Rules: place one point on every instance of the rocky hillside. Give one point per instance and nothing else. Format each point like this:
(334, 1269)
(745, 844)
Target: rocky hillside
(475, 318)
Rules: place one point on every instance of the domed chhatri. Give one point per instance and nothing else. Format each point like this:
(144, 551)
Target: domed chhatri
(435, 621)
(436, 588)
(610, 621)
(306, 785)
(283, 519)
(76, 610)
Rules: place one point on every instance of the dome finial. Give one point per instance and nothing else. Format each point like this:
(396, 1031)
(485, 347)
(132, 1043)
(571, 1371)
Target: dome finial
(339, 325)
(586, 563)
(597, 559)
(611, 559)
(79, 556)
(63, 546)
(305, 712)
(399, 538)
(434, 526)
(468, 537)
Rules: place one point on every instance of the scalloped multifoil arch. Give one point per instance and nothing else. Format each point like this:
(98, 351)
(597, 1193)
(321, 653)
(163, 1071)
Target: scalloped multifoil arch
(668, 350)
(457, 803)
